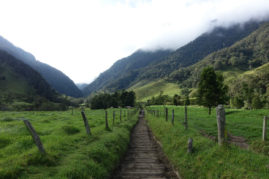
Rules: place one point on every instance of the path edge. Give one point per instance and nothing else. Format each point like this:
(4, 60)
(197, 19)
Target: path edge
(118, 167)
(173, 173)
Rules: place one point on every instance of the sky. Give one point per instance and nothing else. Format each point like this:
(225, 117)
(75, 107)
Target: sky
(83, 38)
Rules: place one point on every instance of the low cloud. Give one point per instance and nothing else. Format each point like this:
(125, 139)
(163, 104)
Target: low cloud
(83, 38)
(174, 23)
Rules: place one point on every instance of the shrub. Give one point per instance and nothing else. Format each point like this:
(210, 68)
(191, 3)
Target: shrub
(256, 103)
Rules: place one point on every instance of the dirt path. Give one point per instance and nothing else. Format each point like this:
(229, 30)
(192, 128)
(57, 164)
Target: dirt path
(143, 158)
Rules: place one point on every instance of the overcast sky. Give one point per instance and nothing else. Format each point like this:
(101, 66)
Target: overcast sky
(83, 38)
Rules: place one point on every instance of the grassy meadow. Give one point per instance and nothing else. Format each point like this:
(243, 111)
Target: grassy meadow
(208, 159)
(146, 90)
(70, 152)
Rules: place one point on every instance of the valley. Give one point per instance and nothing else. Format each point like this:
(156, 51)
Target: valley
(197, 110)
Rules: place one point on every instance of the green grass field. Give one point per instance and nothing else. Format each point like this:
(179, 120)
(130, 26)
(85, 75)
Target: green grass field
(208, 159)
(70, 152)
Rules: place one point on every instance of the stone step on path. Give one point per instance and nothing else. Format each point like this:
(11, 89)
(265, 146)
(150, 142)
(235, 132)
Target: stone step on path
(142, 160)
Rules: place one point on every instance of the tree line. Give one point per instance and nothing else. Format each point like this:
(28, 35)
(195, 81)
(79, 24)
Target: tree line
(117, 99)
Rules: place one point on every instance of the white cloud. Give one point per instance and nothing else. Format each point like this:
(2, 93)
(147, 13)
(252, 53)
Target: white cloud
(83, 38)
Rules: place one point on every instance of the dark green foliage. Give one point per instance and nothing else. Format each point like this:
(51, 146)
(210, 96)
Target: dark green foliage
(128, 98)
(251, 89)
(160, 100)
(118, 99)
(176, 100)
(237, 102)
(187, 101)
(211, 90)
(256, 103)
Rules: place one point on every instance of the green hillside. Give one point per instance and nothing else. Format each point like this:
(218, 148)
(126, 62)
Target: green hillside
(22, 88)
(145, 90)
(55, 78)
(124, 72)
(152, 66)
(199, 48)
(238, 64)
(246, 54)
(240, 59)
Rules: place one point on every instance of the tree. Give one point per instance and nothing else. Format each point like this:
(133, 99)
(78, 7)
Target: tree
(211, 89)
(176, 99)
(256, 103)
(119, 98)
(187, 100)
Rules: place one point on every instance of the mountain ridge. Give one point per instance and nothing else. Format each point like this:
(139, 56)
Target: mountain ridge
(184, 56)
(129, 65)
(57, 79)
(21, 87)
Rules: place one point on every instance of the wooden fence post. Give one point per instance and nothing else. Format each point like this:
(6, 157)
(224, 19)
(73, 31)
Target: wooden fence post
(35, 136)
(88, 130)
(107, 127)
(166, 114)
(221, 124)
(264, 129)
(120, 114)
(186, 118)
(190, 148)
(173, 116)
(113, 117)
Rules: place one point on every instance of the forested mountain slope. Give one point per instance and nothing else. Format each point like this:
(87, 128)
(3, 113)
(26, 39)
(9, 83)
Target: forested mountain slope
(160, 64)
(246, 54)
(125, 71)
(244, 66)
(21, 87)
(58, 80)
(199, 48)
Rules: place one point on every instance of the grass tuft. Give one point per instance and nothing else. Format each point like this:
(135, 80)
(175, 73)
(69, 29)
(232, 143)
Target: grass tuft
(8, 119)
(71, 153)
(41, 159)
(4, 142)
(210, 160)
(70, 130)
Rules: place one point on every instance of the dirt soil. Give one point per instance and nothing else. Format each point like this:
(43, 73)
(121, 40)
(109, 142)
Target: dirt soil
(144, 158)
(236, 140)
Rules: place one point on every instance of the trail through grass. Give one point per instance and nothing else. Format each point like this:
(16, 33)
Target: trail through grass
(70, 152)
(209, 160)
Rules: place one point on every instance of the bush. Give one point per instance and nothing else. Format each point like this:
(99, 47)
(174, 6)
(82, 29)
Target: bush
(256, 103)
(237, 102)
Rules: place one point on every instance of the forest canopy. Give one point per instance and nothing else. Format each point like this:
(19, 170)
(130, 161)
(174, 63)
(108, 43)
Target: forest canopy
(118, 99)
